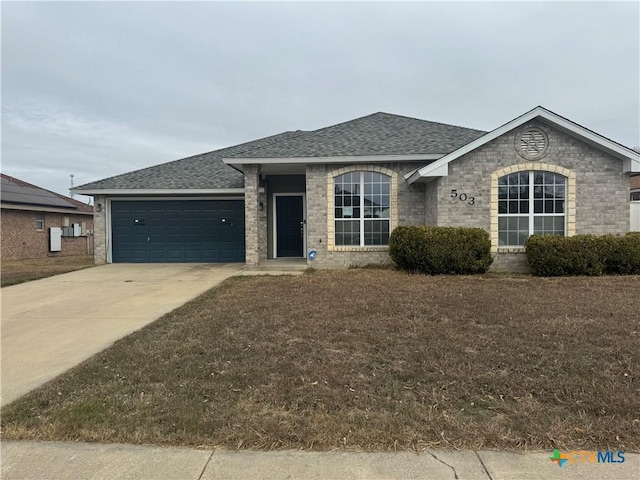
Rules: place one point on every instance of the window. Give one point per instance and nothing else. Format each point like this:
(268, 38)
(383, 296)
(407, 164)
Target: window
(39, 221)
(528, 203)
(362, 208)
(635, 196)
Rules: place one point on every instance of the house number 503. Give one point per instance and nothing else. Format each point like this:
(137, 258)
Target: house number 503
(463, 197)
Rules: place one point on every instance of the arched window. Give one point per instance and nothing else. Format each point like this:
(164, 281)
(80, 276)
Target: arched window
(362, 208)
(530, 202)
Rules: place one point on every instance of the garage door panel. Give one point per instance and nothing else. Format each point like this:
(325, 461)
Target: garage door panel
(178, 231)
(138, 208)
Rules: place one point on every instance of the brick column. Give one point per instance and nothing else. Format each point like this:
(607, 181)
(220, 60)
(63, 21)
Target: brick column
(99, 229)
(262, 225)
(251, 180)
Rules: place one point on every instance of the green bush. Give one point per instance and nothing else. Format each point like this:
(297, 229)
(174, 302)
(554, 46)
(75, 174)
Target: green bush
(438, 250)
(624, 254)
(553, 255)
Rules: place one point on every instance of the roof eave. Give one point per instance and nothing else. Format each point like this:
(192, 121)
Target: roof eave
(237, 163)
(416, 176)
(158, 191)
(43, 208)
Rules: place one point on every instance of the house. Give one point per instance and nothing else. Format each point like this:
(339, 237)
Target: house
(28, 214)
(635, 203)
(331, 197)
(635, 188)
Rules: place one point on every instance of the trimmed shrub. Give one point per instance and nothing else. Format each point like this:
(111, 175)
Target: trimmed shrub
(624, 254)
(553, 255)
(438, 250)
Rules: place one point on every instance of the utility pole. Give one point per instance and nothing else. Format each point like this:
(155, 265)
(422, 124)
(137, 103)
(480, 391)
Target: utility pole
(70, 192)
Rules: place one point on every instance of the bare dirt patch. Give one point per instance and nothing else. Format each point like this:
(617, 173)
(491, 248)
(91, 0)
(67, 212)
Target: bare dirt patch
(25, 270)
(365, 359)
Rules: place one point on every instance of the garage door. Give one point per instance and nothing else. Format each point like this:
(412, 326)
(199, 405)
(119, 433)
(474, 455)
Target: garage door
(171, 231)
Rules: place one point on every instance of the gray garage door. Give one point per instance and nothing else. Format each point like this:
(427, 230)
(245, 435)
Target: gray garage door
(169, 231)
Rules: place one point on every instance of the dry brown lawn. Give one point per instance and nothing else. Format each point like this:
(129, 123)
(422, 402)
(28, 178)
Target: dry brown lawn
(19, 271)
(365, 359)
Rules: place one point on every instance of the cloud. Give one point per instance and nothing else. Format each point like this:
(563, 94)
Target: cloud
(68, 142)
(99, 88)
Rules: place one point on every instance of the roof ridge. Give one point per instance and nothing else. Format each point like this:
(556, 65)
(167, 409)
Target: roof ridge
(349, 137)
(243, 144)
(432, 122)
(345, 122)
(270, 139)
(394, 115)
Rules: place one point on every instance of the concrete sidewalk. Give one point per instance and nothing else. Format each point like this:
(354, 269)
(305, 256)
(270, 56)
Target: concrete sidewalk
(72, 461)
(51, 325)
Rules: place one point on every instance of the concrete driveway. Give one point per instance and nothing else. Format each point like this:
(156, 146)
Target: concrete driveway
(50, 325)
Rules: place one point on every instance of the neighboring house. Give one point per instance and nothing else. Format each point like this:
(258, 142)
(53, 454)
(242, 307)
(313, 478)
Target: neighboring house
(340, 191)
(635, 188)
(28, 213)
(635, 203)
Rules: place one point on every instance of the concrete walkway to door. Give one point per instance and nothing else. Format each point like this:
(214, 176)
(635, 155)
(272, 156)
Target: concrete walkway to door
(51, 325)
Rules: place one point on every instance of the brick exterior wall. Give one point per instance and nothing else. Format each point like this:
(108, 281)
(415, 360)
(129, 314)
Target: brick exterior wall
(431, 203)
(601, 192)
(410, 210)
(21, 239)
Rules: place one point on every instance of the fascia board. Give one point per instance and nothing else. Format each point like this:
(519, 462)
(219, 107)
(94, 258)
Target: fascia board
(35, 208)
(437, 166)
(158, 191)
(333, 159)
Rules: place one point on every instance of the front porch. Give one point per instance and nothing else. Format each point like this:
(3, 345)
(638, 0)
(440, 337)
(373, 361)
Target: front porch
(275, 220)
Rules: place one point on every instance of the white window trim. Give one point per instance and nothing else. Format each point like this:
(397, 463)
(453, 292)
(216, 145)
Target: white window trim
(393, 201)
(531, 215)
(363, 219)
(570, 205)
(274, 223)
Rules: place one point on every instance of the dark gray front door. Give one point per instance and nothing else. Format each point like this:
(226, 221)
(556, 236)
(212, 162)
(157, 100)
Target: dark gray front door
(289, 226)
(175, 231)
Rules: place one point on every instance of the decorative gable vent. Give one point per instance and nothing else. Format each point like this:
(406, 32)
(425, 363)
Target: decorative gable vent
(532, 143)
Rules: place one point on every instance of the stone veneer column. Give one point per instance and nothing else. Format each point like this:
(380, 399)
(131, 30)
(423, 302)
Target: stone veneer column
(251, 227)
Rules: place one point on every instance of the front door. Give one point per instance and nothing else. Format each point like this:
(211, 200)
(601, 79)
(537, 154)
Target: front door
(289, 226)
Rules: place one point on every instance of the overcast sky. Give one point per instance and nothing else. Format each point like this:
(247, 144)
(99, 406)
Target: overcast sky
(97, 89)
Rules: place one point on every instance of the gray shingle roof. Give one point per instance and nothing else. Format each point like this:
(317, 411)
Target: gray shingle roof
(18, 192)
(376, 134)
(204, 171)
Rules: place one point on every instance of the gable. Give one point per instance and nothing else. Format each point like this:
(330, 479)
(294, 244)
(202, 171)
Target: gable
(439, 168)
